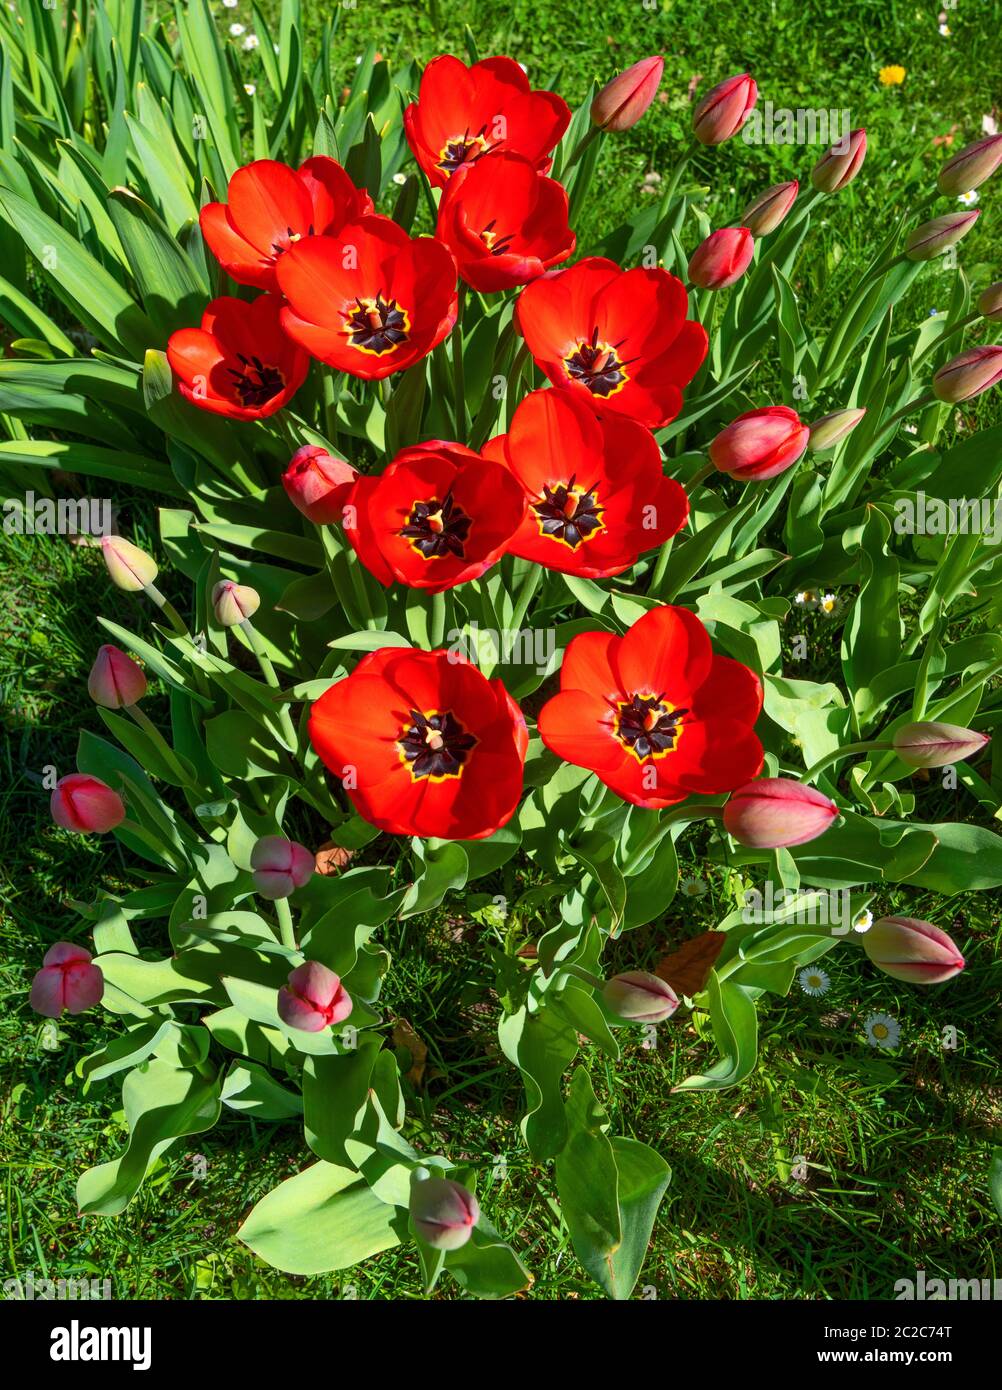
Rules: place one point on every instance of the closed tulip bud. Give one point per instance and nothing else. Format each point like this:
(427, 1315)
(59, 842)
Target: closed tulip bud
(85, 804)
(764, 213)
(970, 373)
(760, 443)
(129, 567)
(313, 998)
(777, 812)
(908, 949)
(969, 169)
(831, 429)
(934, 744)
(318, 482)
(234, 603)
(115, 680)
(724, 109)
(640, 997)
(990, 301)
(621, 102)
(722, 258)
(67, 980)
(934, 237)
(444, 1212)
(280, 866)
(840, 165)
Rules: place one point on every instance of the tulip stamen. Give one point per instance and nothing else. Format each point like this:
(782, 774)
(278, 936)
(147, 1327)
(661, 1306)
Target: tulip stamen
(648, 726)
(435, 745)
(569, 513)
(269, 383)
(376, 325)
(462, 149)
(598, 366)
(437, 528)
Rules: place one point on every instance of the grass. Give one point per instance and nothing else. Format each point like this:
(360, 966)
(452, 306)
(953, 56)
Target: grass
(896, 1145)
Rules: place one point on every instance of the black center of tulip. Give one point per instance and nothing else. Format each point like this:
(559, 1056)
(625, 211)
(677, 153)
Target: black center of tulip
(568, 513)
(435, 745)
(460, 150)
(437, 528)
(647, 726)
(255, 384)
(496, 244)
(376, 325)
(597, 366)
(282, 244)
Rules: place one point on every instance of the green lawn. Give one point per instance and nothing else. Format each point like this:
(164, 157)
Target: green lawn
(896, 1144)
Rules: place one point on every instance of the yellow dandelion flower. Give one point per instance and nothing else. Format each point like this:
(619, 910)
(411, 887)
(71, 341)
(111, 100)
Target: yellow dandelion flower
(892, 76)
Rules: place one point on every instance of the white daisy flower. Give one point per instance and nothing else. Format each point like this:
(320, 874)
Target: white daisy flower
(814, 982)
(237, 29)
(970, 198)
(400, 179)
(862, 921)
(693, 887)
(250, 43)
(827, 603)
(945, 30)
(911, 429)
(250, 88)
(230, 4)
(882, 1031)
(807, 598)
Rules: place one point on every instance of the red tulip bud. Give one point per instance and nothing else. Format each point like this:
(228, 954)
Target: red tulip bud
(934, 744)
(444, 1212)
(313, 998)
(621, 102)
(280, 866)
(908, 949)
(760, 443)
(969, 169)
(724, 109)
(934, 237)
(115, 680)
(840, 165)
(990, 301)
(970, 373)
(67, 980)
(722, 258)
(129, 567)
(831, 429)
(764, 213)
(776, 812)
(317, 482)
(86, 804)
(640, 997)
(234, 603)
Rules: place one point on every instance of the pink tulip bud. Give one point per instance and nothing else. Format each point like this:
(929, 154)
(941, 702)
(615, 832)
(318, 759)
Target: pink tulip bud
(280, 866)
(990, 301)
(970, 373)
(67, 980)
(640, 997)
(85, 804)
(760, 443)
(621, 102)
(969, 169)
(932, 238)
(831, 429)
(908, 949)
(838, 166)
(764, 213)
(934, 744)
(724, 109)
(318, 482)
(722, 258)
(444, 1212)
(313, 998)
(776, 812)
(115, 680)
(129, 567)
(234, 603)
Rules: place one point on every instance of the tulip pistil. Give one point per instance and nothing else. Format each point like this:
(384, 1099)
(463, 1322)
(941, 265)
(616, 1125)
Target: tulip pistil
(568, 513)
(437, 528)
(597, 366)
(256, 393)
(435, 745)
(377, 325)
(462, 149)
(648, 726)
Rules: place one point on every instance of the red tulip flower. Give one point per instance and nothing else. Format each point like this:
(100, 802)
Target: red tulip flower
(597, 495)
(724, 109)
(371, 300)
(722, 258)
(115, 680)
(313, 998)
(655, 714)
(271, 207)
(619, 339)
(505, 223)
(621, 102)
(424, 744)
(317, 483)
(239, 363)
(774, 812)
(760, 443)
(437, 516)
(67, 980)
(86, 804)
(464, 113)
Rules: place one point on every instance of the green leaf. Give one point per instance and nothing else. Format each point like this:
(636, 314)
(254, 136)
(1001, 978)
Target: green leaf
(541, 1045)
(252, 1090)
(173, 293)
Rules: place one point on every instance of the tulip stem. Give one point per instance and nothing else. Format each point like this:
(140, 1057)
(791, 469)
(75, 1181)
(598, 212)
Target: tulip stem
(661, 827)
(284, 914)
(270, 675)
(919, 403)
(592, 134)
(844, 752)
(953, 328)
(458, 375)
(167, 609)
(578, 971)
(676, 175)
(163, 747)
